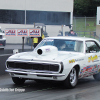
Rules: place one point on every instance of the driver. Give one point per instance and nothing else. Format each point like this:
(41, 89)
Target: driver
(61, 45)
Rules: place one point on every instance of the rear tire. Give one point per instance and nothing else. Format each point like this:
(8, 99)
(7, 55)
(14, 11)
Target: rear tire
(72, 79)
(18, 81)
(97, 76)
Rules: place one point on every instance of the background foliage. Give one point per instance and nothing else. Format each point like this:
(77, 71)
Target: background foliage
(86, 7)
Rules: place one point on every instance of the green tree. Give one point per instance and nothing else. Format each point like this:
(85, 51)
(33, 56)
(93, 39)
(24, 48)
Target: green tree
(86, 7)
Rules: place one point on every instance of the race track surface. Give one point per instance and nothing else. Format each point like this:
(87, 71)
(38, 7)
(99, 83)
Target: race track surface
(86, 89)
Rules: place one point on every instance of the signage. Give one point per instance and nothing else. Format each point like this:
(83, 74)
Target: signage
(34, 32)
(22, 32)
(92, 58)
(11, 32)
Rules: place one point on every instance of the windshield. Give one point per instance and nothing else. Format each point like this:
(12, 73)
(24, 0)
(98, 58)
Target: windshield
(63, 45)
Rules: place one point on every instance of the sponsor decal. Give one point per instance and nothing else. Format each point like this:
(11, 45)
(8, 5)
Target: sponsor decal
(48, 50)
(95, 68)
(10, 32)
(84, 69)
(89, 70)
(92, 58)
(22, 32)
(35, 32)
(75, 60)
(72, 61)
(79, 59)
(98, 56)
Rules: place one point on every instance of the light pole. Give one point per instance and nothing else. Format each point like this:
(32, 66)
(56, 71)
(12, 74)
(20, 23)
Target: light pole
(25, 12)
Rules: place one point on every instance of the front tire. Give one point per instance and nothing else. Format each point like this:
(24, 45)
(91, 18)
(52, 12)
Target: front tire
(72, 79)
(97, 76)
(18, 81)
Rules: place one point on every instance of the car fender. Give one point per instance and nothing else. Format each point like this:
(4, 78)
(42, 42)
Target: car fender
(68, 66)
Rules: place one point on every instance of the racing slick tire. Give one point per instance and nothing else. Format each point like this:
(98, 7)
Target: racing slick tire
(18, 81)
(72, 79)
(97, 76)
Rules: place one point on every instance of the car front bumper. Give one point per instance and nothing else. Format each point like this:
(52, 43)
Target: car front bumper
(36, 75)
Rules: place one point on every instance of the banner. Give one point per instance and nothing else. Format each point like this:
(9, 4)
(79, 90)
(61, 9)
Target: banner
(22, 32)
(34, 32)
(11, 32)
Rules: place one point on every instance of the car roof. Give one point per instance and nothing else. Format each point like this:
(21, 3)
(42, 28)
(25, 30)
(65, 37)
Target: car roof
(72, 38)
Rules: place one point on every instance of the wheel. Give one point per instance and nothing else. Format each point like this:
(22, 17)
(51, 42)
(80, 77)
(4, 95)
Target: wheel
(18, 81)
(97, 76)
(72, 79)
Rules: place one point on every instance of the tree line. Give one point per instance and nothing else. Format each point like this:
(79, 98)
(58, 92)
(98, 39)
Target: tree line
(86, 7)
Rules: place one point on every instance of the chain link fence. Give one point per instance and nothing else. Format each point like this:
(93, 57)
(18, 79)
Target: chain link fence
(85, 27)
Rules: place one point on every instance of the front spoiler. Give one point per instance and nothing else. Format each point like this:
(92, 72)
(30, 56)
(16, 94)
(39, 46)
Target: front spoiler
(34, 73)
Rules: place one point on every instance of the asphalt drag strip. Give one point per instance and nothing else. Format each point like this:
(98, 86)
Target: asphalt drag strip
(86, 89)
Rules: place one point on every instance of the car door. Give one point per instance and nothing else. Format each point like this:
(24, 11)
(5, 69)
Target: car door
(92, 57)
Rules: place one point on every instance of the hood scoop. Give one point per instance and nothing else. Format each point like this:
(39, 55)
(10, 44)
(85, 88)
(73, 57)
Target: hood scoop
(47, 50)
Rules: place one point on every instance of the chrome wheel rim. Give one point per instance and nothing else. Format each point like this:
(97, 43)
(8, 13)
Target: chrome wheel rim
(73, 77)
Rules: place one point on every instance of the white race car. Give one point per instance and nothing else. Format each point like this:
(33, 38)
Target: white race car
(63, 59)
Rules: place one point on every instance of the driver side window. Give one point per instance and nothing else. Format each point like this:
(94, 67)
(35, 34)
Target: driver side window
(92, 47)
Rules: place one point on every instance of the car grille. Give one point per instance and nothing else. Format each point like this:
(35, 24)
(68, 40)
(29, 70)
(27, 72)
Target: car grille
(33, 66)
(0, 36)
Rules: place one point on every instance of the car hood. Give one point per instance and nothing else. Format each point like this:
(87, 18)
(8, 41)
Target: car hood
(50, 55)
(31, 55)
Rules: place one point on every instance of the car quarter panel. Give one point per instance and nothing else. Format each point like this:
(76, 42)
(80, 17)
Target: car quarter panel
(72, 62)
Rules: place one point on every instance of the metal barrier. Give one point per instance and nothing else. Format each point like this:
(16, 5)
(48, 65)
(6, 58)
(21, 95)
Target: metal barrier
(3, 59)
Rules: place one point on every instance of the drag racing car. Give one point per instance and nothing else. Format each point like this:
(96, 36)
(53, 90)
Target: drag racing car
(65, 59)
